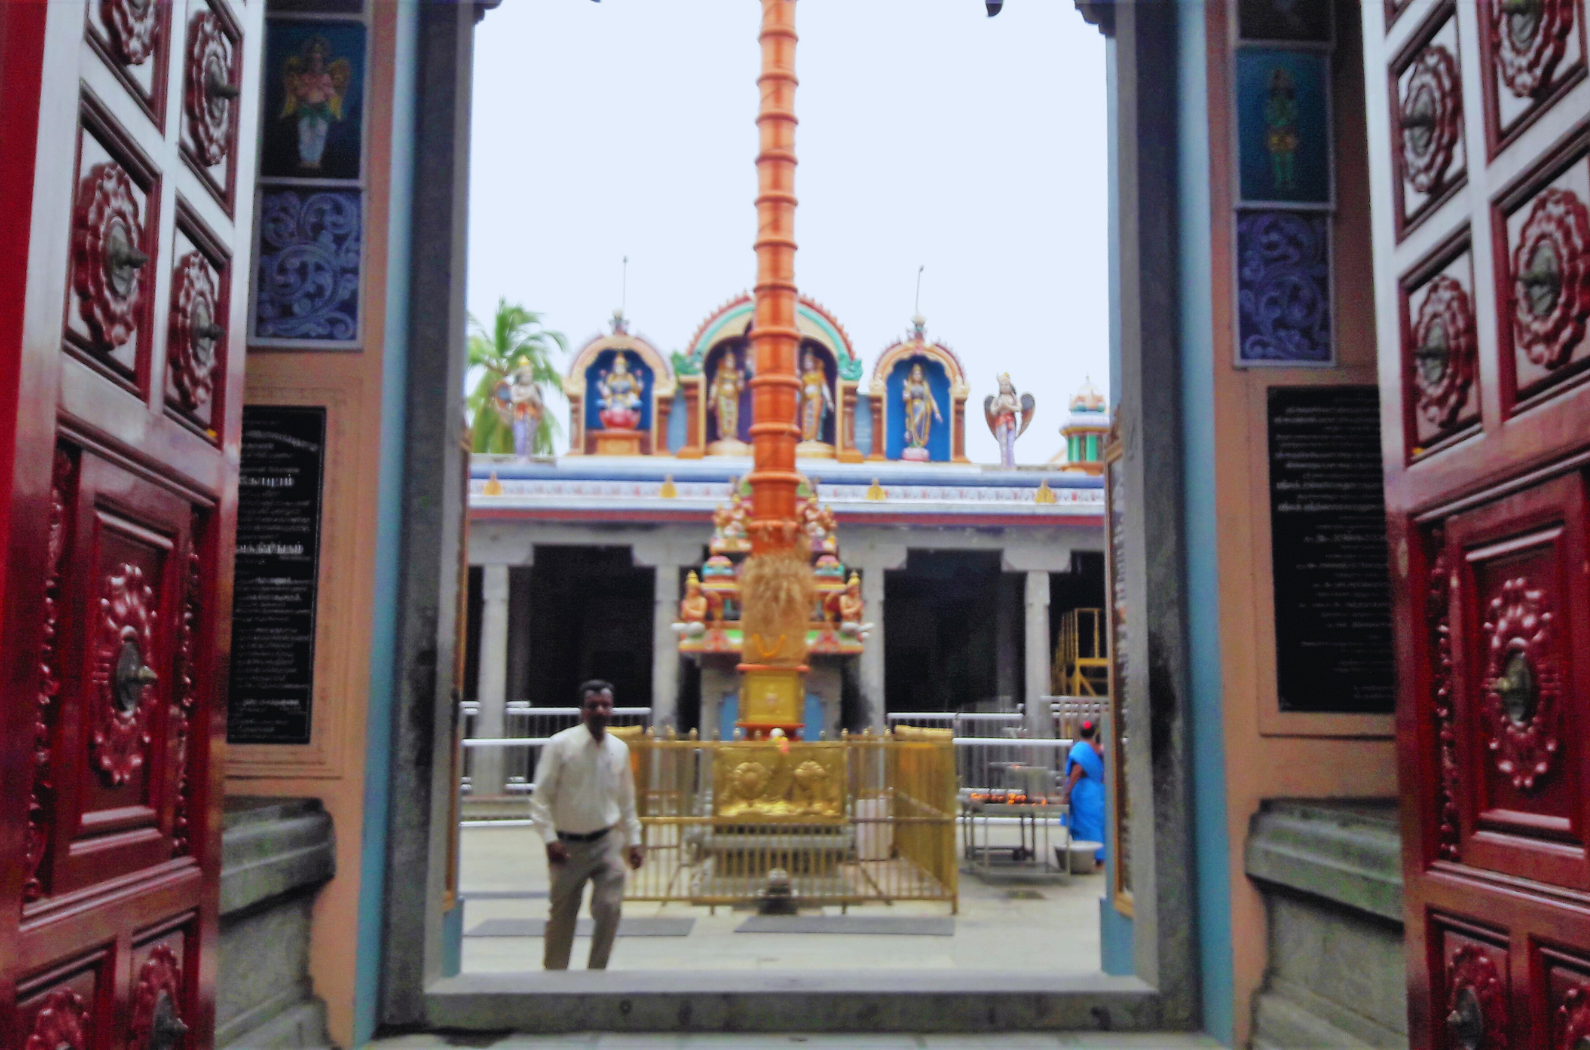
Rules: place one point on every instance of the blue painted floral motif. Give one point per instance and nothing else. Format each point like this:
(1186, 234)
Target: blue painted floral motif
(1283, 287)
(307, 283)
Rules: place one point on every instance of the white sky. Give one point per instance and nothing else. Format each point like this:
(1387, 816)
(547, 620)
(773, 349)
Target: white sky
(929, 135)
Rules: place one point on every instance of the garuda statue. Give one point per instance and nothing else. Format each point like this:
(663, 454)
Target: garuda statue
(1002, 410)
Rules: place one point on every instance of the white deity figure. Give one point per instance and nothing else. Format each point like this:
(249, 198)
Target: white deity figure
(1001, 411)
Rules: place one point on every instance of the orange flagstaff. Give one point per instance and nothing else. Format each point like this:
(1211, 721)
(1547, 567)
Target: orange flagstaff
(774, 338)
(776, 585)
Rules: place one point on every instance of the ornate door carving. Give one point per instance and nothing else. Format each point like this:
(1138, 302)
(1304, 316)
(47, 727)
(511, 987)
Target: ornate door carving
(1480, 161)
(117, 507)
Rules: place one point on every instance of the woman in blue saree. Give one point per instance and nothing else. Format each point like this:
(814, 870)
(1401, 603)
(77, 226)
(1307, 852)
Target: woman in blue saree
(1085, 787)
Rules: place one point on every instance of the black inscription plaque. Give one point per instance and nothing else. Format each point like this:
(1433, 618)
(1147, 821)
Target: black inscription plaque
(1328, 538)
(278, 556)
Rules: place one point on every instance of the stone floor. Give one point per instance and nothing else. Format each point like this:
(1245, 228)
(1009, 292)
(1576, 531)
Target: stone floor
(1047, 926)
(600, 1041)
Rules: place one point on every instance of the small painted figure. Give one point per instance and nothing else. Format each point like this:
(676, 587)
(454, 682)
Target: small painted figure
(846, 608)
(314, 85)
(695, 609)
(620, 392)
(729, 520)
(1280, 121)
(1001, 411)
(724, 396)
(816, 402)
(519, 405)
(921, 409)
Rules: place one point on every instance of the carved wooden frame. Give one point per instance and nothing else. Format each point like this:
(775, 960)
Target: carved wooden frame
(225, 195)
(1496, 139)
(207, 244)
(1460, 243)
(1404, 221)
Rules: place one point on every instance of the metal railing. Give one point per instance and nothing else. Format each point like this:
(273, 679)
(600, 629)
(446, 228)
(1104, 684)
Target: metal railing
(525, 729)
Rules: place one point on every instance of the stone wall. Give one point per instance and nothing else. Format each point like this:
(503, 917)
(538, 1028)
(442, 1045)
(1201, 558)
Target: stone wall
(1331, 876)
(275, 856)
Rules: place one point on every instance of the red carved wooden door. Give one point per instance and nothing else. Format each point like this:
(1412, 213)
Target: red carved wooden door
(128, 134)
(1479, 117)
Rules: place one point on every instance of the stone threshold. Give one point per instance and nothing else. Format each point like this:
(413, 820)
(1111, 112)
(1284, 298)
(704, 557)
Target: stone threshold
(792, 1001)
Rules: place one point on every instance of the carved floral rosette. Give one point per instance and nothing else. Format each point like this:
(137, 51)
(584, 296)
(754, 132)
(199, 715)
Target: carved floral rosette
(49, 687)
(1438, 618)
(134, 26)
(59, 1023)
(1572, 1023)
(1518, 631)
(1474, 983)
(1551, 278)
(107, 265)
(192, 342)
(1445, 327)
(209, 67)
(160, 976)
(1528, 40)
(126, 633)
(1432, 118)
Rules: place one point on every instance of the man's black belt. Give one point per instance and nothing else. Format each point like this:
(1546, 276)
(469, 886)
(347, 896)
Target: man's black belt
(589, 836)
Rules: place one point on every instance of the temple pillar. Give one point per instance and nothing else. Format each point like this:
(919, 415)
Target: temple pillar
(1008, 668)
(1039, 722)
(665, 649)
(872, 695)
(486, 776)
(875, 405)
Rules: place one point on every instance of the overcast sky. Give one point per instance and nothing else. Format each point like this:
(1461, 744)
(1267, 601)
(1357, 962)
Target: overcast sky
(929, 135)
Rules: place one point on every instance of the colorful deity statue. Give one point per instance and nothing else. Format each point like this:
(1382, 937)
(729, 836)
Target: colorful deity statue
(845, 609)
(519, 405)
(921, 409)
(696, 608)
(815, 399)
(1002, 410)
(723, 398)
(620, 395)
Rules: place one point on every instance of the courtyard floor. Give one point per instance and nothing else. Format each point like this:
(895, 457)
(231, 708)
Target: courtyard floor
(1028, 926)
(902, 1041)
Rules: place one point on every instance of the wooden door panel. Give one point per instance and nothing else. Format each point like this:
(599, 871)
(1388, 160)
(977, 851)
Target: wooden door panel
(134, 41)
(70, 1008)
(1521, 591)
(122, 580)
(211, 75)
(1542, 251)
(163, 983)
(196, 334)
(1565, 1002)
(1441, 382)
(1531, 59)
(1474, 991)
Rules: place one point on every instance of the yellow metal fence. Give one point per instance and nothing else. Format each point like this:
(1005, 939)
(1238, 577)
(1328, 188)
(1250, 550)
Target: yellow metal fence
(858, 820)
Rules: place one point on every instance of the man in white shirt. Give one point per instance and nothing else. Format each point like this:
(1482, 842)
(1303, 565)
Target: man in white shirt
(584, 790)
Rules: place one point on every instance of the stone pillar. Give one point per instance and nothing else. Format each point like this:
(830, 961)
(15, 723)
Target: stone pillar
(1039, 723)
(1008, 671)
(486, 772)
(665, 649)
(872, 694)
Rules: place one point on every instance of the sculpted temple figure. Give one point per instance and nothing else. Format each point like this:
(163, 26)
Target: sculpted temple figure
(1001, 411)
(815, 399)
(620, 392)
(519, 405)
(921, 409)
(723, 399)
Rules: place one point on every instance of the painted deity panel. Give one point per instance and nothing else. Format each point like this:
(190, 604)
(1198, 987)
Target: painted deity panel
(1283, 125)
(306, 283)
(918, 409)
(1283, 288)
(816, 406)
(314, 100)
(618, 392)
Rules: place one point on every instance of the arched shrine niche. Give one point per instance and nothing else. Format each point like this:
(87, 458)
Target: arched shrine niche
(918, 400)
(728, 372)
(826, 363)
(620, 390)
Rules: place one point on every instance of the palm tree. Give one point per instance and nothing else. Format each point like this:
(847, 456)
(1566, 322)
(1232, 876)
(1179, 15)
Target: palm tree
(515, 333)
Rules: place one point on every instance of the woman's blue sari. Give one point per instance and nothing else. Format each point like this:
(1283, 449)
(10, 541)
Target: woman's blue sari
(1087, 795)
